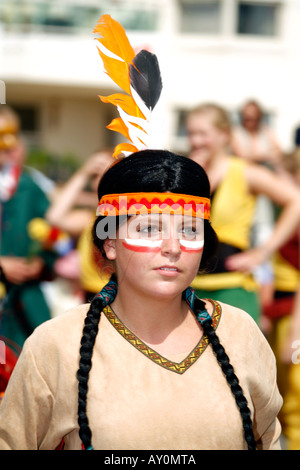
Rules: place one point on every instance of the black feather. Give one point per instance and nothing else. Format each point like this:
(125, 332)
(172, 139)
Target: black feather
(145, 77)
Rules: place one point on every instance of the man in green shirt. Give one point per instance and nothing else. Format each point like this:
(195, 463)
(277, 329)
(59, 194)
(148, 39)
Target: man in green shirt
(25, 264)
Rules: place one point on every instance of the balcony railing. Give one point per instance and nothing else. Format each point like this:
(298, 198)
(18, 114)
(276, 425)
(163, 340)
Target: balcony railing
(70, 17)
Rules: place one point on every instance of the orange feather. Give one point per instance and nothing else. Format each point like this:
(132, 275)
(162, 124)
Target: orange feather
(125, 102)
(124, 148)
(113, 38)
(119, 126)
(119, 59)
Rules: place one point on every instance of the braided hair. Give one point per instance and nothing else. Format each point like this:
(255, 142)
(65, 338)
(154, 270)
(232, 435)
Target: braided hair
(90, 330)
(206, 322)
(153, 171)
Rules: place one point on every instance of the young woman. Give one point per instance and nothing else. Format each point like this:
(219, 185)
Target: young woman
(157, 367)
(235, 184)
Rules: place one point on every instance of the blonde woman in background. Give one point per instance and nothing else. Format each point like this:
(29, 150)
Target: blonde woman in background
(235, 185)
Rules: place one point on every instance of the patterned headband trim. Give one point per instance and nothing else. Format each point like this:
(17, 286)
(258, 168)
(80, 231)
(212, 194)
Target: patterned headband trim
(155, 203)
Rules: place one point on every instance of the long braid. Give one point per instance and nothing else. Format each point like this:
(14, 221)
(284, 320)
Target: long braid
(233, 381)
(198, 306)
(206, 323)
(90, 330)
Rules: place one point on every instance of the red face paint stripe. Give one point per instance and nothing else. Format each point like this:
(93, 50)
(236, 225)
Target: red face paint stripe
(185, 249)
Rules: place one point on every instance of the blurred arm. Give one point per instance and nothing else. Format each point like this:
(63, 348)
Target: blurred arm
(287, 196)
(62, 213)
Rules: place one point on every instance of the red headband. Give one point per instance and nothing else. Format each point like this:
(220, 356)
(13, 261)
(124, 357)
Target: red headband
(156, 203)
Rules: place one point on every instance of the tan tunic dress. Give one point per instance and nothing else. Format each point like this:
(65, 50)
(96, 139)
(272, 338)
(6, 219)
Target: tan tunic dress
(137, 399)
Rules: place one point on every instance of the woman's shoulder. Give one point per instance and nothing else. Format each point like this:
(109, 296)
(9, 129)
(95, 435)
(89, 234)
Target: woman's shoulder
(237, 326)
(64, 329)
(229, 310)
(234, 319)
(74, 314)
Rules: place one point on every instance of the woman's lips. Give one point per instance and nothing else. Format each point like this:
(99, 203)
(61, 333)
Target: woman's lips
(169, 271)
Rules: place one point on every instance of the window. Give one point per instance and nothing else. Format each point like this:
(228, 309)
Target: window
(200, 17)
(259, 19)
(28, 116)
(181, 122)
(69, 16)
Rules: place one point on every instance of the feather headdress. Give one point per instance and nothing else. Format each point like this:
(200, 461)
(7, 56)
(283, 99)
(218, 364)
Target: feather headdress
(137, 75)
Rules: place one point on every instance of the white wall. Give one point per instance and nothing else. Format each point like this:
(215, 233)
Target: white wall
(226, 68)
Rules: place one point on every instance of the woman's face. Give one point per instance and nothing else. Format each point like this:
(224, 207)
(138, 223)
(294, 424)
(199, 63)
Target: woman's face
(157, 255)
(251, 117)
(205, 139)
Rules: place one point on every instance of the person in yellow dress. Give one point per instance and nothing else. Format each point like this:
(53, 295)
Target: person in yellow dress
(235, 184)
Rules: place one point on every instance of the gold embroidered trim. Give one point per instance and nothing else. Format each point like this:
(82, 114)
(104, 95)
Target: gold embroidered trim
(179, 368)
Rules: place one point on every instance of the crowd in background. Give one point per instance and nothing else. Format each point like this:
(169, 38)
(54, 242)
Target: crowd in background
(46, 252)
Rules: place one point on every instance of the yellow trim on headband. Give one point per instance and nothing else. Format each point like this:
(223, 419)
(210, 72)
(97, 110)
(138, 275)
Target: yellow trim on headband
(161, 203)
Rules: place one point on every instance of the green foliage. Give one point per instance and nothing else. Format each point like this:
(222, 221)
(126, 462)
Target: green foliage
(59, 168)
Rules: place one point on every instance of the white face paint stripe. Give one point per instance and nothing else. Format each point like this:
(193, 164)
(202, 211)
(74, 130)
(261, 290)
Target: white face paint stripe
(188, 244)
(192, 244)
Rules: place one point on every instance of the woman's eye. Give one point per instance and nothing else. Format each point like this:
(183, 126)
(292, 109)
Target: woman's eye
(190, 232)
(148, 229)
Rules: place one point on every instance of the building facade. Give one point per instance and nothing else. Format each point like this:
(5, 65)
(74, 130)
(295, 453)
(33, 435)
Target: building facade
(224, 51)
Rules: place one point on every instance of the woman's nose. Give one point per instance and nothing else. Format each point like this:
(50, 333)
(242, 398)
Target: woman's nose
(171, 246)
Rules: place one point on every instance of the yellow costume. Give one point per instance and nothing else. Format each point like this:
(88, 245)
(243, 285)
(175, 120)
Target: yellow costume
(232, 212)
(92, 275)
(287, 278)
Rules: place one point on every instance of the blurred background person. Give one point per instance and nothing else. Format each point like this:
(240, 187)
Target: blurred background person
(283, 315)
(24, 262)
(297, 136)
(235, 184)
(73, 213)
(255, 141)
